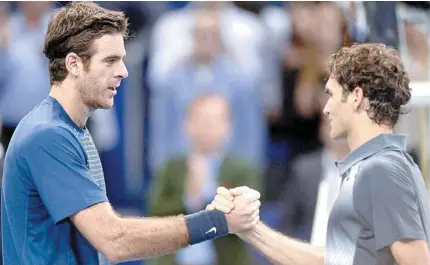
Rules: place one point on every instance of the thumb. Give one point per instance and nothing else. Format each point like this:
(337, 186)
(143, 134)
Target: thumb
(251, 195)
(210, 207)
(239, 190)
(225, 193)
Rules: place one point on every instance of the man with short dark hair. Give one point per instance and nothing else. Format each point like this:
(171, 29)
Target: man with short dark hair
(54, 205)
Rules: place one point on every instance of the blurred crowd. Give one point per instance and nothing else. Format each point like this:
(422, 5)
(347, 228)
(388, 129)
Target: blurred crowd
(221, 94)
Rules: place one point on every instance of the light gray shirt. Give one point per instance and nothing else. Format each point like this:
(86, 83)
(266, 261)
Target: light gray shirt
(382, 199)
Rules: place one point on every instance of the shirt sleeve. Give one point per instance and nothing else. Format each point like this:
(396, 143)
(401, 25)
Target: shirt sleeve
(58, 169)
(386, 199)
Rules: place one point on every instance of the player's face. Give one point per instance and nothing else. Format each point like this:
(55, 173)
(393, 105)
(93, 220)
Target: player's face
(337, 110)
(98, 85)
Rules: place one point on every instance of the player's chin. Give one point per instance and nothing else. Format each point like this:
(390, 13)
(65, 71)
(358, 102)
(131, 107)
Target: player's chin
(334, 135)
(337, 135)
(107, 103)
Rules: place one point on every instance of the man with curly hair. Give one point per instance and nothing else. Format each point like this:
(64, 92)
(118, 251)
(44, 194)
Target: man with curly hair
(382, 214)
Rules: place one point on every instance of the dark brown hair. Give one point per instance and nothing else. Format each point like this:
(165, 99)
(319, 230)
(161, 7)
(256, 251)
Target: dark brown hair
(73, 29)
(378, 70)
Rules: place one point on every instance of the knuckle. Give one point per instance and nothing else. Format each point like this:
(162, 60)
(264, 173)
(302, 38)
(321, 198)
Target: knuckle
(224, 209)
(229, 204)
(220, 199)
(243, 187)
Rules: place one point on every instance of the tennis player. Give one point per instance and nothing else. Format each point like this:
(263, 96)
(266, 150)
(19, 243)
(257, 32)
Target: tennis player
(54, 205)
(382, 213)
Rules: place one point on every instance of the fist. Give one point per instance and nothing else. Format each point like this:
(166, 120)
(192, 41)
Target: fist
(240, 205)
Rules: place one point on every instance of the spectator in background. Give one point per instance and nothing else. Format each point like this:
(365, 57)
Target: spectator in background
(210, 67)
(23, 68)
(4, 42)
(380, 20)
(188, 182)
(241, 32)
(413, 20)
(312, 43)
(311, 31)
(141, 14)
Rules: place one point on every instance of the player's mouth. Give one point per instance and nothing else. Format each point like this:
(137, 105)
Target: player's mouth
(113, 89)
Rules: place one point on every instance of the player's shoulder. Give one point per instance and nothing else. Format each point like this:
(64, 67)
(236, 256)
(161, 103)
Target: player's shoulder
(29, 140)
(386, 165)
(45, 121)
(48, 134)
(51, 129)
(389, 160)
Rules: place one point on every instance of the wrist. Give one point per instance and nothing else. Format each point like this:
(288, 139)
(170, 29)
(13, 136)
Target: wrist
(206, 225)
(245, 235)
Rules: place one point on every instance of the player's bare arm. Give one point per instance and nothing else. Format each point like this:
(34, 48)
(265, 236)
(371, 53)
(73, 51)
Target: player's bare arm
(409, 252)
(121, 239)
(281, 249)
(278, 248)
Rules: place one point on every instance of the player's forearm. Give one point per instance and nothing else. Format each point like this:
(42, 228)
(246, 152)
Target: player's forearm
(147, 237)
(281, 249)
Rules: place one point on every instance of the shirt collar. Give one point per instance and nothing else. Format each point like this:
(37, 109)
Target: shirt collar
(62, 114)
(371, 147)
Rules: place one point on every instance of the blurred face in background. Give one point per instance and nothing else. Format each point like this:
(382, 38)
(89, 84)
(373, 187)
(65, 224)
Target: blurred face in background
(207, 41)
(208, 124)
(33, 10)
(317, 32)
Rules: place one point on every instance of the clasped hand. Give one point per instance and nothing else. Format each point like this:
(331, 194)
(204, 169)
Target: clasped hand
(241, 207)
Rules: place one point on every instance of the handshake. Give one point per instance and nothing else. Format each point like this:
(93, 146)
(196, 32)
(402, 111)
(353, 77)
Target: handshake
(241, 207)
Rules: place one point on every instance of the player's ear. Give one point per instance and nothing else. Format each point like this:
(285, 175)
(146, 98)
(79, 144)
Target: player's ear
(73, 64)
(357, 96)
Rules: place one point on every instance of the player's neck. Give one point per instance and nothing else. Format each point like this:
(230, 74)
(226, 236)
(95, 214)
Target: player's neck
(71, 103)
(361, 134)
(338, 150)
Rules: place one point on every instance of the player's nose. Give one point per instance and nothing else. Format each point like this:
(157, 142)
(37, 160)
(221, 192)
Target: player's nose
(123, 72)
